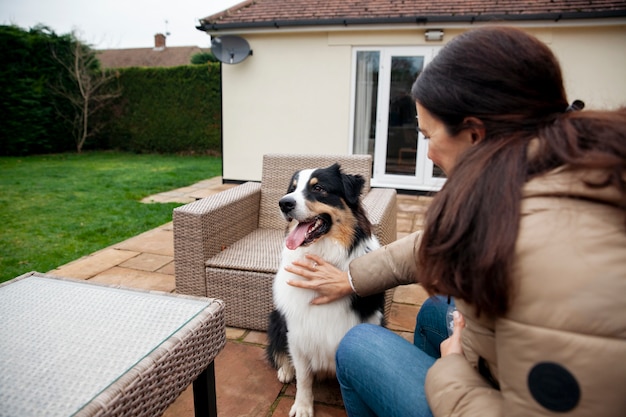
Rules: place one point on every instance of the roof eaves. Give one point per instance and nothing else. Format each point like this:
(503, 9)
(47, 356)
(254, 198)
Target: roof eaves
(208, 26)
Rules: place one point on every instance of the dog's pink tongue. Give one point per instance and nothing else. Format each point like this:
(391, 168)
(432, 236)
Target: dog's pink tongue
(297, 236)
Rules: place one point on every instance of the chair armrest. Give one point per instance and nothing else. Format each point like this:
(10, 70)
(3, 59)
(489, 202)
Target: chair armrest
(381, 208)
(205, 227)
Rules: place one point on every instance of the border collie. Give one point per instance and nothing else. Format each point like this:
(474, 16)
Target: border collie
(331, 223)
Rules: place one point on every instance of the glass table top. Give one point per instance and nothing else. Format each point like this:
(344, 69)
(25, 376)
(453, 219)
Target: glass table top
(63, 342)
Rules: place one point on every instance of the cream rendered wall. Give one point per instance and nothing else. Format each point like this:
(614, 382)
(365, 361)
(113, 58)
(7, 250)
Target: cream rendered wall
(593, 61)
(291, 96)
(294, 94)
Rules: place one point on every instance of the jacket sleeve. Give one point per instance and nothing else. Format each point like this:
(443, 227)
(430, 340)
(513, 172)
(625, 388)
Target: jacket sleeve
(454, 388)
(386, 267)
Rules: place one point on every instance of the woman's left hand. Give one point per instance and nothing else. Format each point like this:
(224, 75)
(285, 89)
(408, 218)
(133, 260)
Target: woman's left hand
(329, 282)
(453, 343)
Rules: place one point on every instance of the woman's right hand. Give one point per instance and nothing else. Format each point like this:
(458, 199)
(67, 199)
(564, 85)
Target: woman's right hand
(329, 282)
(453, 343)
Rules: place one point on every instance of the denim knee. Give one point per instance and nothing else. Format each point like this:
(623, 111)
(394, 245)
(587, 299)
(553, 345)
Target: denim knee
(349, 348)
(381, 374)
(430, 327)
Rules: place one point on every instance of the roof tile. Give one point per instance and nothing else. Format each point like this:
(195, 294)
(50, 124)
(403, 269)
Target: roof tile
(330, 10)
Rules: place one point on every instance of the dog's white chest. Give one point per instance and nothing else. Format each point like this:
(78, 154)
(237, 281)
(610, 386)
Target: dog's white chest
(314, 330)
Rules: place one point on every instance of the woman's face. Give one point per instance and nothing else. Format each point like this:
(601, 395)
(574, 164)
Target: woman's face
(443, 149)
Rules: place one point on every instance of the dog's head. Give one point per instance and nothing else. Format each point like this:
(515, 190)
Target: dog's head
(325, 203)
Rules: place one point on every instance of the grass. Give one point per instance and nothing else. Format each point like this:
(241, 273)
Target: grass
(57, 208)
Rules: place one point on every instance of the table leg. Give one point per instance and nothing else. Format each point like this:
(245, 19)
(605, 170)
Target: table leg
(204, 400)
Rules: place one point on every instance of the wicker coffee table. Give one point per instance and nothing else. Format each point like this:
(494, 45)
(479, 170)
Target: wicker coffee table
(73, 348)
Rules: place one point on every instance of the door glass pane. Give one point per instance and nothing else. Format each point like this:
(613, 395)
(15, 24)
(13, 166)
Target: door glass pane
(401, 133)
(437, 172)
(367, 68)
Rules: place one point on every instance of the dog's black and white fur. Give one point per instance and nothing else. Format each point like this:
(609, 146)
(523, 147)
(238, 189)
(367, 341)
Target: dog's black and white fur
(329, 222)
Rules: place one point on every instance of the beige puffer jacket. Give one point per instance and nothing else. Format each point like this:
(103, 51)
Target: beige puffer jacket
(561, 348)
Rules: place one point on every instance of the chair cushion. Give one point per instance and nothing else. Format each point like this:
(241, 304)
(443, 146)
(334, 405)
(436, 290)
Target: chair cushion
(258, 251)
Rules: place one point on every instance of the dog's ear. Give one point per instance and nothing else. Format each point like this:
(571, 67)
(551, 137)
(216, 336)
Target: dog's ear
(293, 182)
(352, 185)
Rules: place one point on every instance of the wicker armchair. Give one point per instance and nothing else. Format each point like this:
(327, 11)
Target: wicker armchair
(229, 245)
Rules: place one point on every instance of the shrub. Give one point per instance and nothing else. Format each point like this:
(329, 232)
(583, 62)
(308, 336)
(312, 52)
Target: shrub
(29, 106)
(202, 58)
(160, 109)
(168, 110)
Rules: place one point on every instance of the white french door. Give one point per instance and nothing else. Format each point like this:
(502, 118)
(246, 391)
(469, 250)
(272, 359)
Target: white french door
(384, 122)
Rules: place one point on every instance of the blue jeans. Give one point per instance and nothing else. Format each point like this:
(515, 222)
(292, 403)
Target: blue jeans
(381, 374)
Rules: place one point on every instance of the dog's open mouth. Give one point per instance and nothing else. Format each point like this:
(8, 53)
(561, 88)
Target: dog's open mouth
(306, 232)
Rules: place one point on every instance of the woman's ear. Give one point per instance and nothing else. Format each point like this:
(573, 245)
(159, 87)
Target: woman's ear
(476, 129)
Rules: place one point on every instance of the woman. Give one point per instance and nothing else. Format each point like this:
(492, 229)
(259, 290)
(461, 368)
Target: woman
(528, 235)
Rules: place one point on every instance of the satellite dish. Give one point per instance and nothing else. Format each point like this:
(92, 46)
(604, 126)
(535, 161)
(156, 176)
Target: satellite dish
(230, 49)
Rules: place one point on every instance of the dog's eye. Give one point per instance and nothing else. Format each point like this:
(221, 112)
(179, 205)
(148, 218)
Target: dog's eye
(318, 188)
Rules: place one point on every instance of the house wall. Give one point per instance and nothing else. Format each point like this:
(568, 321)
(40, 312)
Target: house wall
(294, 94)
(291, 96)
(593, 61)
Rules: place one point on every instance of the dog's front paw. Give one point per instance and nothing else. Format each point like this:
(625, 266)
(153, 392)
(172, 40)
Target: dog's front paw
(286, 373)
(301, 410)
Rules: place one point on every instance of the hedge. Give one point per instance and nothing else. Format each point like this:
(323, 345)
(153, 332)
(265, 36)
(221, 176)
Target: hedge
(159, 110)
(166, 110)
(30, 109)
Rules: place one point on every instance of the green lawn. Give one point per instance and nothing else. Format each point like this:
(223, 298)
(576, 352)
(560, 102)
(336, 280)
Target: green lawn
(57, 208)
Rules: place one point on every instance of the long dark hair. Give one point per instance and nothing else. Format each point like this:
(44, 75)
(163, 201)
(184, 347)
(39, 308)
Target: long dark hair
(512, 83)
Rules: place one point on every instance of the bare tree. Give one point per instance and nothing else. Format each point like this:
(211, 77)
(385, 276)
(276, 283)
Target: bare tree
(87, 88)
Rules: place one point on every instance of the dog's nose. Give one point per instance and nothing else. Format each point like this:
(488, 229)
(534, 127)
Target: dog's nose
(287, 204)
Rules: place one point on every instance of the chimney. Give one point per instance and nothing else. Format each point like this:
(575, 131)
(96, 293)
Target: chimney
(159, 42)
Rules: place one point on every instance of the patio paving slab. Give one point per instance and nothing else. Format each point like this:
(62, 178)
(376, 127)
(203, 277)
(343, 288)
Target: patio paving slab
(321, 410)
(159, 241)
(403, 317)
(246, 384)
(148, 262)
(410, 294)
(326, 392)
(167, 269)
(134, 278)
(91, 265)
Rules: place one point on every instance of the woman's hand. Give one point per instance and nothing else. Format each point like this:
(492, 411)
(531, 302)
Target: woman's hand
(453, 343)
(329, 282)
